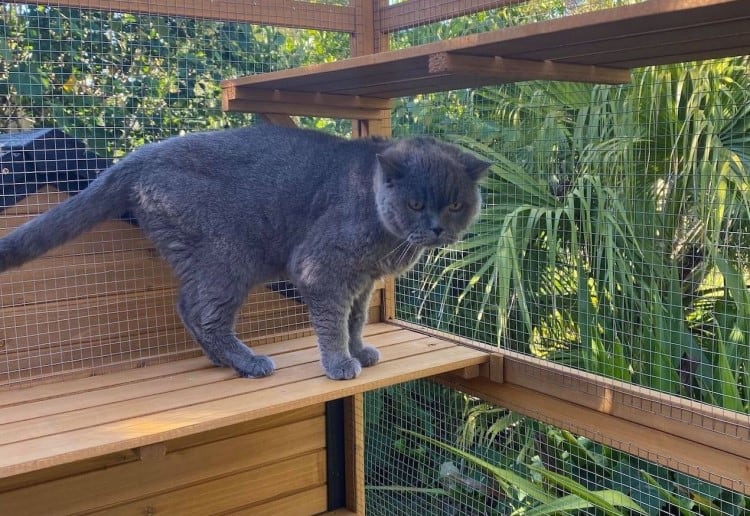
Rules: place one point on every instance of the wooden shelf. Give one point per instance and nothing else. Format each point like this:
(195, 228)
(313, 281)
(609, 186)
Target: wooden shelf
(54, 424)
(598, 47)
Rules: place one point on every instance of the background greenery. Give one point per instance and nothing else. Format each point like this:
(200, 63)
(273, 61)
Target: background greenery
(614, 237)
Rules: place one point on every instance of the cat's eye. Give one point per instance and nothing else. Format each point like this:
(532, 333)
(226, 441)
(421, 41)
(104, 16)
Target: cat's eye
(456, 206)
(416, 205)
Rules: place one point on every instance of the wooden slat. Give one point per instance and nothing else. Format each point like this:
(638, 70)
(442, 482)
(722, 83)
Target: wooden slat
(31, 421)
(198, 464)
(281, 13)
(311, 501)
(99, 401)
(176, 445)
(693, 458)
(227, 493)
(308, 104)
(138, 422)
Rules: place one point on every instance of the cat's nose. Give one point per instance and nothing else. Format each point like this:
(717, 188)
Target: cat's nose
(437, 230)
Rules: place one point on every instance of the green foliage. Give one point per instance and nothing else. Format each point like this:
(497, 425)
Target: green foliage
(119, 80)
(613, 238)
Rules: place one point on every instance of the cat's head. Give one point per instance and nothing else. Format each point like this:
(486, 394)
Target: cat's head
(426, 191)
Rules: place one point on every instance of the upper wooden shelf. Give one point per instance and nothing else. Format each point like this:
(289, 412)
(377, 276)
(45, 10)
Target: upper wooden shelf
(596, 47)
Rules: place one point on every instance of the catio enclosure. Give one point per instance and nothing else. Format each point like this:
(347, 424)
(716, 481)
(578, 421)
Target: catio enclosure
(585, 350)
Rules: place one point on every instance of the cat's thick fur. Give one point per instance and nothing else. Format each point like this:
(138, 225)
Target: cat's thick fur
(231, 209)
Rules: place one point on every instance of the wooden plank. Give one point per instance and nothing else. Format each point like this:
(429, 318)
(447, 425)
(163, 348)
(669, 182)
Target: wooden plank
(228, 493)
(280, 13)
(645, 26)
(247, 427)
(241, 400)
(32, 420)
(712, 426)
(278, 108)
(198, 464)
(653, 45)
(61, 278)
(688, 419)
(304, 503)
(190, 441)
(133, 376)
(693, 458)
(505, 70)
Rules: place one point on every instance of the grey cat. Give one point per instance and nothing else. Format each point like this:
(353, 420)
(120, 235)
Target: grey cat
(231, 209)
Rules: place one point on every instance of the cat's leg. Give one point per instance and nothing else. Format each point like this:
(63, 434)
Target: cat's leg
(329, 314)
(328, 294)
(367, 355)
(208, 310)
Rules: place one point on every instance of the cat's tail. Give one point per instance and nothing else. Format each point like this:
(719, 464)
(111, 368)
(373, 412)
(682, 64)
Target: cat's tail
(107, 196)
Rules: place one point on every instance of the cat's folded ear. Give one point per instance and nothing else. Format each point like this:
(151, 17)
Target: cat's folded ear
(392, 169)
(476, 168)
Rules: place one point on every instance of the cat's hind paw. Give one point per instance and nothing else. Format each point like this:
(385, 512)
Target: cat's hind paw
(344, 368)
(368, 356)
(255, 366)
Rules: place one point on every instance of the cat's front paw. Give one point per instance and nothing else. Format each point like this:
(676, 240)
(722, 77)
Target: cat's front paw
(368, 356)
(254, 366)
(344, 368)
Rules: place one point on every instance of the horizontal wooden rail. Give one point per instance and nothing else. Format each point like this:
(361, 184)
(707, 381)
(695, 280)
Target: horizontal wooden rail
(662, 447)
(695, 438)
(279, 13)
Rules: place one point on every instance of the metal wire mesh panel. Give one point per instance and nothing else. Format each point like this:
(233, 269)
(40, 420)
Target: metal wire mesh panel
(433, 450)
(82, 88)
(612, 241)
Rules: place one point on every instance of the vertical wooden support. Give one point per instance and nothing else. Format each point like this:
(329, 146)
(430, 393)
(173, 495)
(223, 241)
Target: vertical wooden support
(368, 38)
(278, 119)
(354, 439)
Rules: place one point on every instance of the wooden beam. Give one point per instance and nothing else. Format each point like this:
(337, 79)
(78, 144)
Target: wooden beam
(302, 103)
(276, 119)
(720, 428)
(691, 457)
(279, 13)
(354, 417)
(507, 70)
(712, 426)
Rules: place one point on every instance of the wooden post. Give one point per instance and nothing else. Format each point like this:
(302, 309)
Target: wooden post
(354, 435)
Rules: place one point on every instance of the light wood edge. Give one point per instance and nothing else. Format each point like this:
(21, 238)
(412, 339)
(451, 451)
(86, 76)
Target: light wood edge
(683, 418)
(690, 457)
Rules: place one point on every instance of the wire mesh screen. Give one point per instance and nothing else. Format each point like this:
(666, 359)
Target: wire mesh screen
(614, 234)
(613, 241)
(433, 450)
(82, 88)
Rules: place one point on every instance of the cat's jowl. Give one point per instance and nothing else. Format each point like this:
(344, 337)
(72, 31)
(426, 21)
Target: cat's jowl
(231, 209)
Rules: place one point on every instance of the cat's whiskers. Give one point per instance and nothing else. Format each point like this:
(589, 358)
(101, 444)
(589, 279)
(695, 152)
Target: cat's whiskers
(402, 249)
